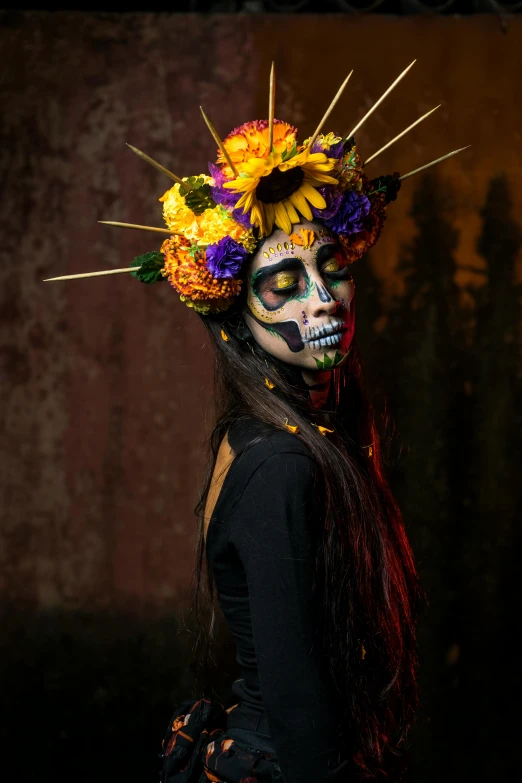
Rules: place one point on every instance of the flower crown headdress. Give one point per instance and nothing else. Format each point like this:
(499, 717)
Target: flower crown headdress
(263, 177)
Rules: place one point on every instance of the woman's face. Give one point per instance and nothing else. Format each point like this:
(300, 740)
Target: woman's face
(300, 300)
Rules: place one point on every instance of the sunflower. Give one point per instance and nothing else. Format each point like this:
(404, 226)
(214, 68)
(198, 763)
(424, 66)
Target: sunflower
(277, 188)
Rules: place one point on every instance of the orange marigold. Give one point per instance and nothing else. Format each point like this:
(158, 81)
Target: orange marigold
(188, 274)
(250, 140)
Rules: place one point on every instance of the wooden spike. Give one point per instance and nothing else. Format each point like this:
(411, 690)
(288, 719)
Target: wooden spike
(271, 108)
(218, 142)
(401, 134)
(155, 164)
(329, 110)
(94, 274)
(140, 228)
(388, 91)
(433, 162)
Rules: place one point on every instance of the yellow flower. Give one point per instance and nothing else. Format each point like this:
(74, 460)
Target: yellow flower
(326, 141)
(207, 228)
(278, 191)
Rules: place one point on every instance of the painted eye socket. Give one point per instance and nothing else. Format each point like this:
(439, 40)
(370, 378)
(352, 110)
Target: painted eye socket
(336, 268)
(332, 265)
(283, 281)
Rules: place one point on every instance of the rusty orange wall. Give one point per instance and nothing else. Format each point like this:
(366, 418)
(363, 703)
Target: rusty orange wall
(105, 383)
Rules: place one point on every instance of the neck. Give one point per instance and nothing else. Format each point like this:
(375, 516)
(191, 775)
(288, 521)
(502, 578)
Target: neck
(318, 382)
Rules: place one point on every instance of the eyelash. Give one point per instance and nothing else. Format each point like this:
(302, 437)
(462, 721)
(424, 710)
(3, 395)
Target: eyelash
(284, 290)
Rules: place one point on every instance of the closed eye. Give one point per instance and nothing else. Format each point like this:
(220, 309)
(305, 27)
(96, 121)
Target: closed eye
(275, 284)
(340, 274)
(336, 267)
(284, 282)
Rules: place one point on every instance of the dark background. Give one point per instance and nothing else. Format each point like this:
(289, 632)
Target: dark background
(105, 383)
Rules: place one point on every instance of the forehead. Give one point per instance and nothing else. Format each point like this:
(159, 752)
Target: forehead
(279, 246)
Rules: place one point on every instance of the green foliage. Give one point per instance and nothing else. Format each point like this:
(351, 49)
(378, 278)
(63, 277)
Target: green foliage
(328, 364)
(191, 183)
(197, 195)
(151, 265)
(290, 153)
(349, 146)
(389, 184)
(194, 250)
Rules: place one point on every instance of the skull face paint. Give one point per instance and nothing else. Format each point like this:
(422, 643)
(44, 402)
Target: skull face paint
(300, 302)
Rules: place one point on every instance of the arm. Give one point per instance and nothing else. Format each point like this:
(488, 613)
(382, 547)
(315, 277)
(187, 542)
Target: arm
(273, 532)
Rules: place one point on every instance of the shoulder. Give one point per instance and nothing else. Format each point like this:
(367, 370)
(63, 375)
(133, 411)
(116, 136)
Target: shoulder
(266, 455)
(275, 491)
(254, 441)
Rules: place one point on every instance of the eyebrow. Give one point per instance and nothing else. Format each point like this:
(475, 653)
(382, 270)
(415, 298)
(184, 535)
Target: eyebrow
(267, 271)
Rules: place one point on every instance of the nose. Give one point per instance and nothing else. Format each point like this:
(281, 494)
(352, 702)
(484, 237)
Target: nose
(321, 301)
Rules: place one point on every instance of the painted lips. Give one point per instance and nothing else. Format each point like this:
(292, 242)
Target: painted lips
(328, 335)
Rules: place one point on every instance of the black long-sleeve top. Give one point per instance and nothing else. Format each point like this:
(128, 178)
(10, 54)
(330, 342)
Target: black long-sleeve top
(261, 545)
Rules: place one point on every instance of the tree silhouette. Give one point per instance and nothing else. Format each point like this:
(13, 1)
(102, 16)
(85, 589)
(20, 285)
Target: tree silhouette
(496, 458)
(424, 353)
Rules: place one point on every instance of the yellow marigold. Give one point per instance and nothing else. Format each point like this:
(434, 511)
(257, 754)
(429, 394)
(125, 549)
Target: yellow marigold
(207, 228)
(189, 275)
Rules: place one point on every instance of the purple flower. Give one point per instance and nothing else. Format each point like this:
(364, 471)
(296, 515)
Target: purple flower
(225, 258)
(349, 218)
(216, 174)
(333, 200)
(226, 198)
(240, 217)
(335, 150)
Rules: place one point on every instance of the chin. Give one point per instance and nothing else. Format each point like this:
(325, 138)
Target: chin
(321, 359)
(329, 359)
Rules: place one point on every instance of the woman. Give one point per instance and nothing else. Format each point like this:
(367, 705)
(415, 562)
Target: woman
(304, 542)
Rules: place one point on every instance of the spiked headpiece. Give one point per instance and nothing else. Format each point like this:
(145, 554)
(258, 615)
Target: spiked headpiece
(263, 177)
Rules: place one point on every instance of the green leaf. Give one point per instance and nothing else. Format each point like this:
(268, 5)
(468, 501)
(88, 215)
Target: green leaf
(199, 198)
(389, 184)
(151, 265)
(193, 250)
(290, 153)
(191, 183)
(328, 363)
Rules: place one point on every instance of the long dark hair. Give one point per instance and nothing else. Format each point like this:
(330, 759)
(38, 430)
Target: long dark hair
(365, 570)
